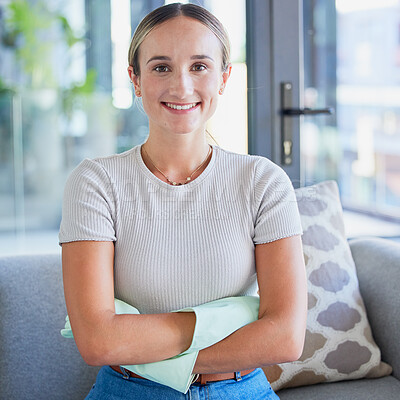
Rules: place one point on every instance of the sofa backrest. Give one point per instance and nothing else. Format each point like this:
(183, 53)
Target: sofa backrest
(36, 362)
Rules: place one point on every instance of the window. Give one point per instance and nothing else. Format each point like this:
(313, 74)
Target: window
(352, 62)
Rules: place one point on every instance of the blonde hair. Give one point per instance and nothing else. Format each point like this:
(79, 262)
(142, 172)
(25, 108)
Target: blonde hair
(164, 13)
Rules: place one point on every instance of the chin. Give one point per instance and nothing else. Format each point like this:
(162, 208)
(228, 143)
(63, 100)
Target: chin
(186, 130)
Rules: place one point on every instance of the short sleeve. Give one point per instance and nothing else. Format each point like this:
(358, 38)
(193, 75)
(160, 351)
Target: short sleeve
(276, 212)
(88, 205)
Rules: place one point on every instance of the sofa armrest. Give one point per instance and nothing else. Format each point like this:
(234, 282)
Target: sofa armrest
(378, 268)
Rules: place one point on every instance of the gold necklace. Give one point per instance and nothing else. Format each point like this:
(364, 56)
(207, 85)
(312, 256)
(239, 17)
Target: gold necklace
(188, 179)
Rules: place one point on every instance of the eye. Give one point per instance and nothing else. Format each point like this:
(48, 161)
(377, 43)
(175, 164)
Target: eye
(199, 67)
(161, 68)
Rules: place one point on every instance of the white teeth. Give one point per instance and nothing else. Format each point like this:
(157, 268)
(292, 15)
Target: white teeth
(185, 107)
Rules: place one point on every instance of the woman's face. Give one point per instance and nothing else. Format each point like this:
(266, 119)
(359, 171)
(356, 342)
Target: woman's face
(180, 75)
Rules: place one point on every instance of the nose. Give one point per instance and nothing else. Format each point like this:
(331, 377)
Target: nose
(181, 85)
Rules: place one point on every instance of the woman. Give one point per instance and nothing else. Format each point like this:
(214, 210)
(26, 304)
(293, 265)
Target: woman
(177, 222)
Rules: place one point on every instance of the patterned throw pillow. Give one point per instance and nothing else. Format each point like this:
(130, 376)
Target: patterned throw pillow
(339, 343)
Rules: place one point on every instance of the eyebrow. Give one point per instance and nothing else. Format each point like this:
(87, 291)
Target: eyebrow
(201, 57)
(165, 58)
(161, 58)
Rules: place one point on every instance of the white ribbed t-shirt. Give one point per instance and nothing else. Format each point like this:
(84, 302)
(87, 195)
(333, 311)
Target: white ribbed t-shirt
(180, 246)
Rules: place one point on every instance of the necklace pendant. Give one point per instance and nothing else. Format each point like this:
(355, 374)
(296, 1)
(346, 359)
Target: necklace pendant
(188, 179)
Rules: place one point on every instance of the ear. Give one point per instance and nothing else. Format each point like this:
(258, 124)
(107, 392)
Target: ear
(135, 80)
(225, 76)
(227, 73)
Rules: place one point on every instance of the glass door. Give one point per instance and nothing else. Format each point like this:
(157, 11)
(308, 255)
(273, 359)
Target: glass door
(352, 63)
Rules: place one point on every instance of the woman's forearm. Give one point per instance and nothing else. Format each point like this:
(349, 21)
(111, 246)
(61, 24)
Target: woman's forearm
(136, 339)
(258, 344)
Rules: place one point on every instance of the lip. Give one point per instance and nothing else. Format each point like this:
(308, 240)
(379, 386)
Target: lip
(182, 110)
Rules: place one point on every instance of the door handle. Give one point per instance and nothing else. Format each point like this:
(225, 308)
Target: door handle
(293, 112)
(287, 113)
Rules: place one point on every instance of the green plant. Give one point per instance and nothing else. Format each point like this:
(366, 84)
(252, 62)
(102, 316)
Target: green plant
(29, 29)
(4, 88)
(33, 32)
(73, 95)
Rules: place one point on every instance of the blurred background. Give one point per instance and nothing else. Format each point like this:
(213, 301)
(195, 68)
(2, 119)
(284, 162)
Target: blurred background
(65, 96)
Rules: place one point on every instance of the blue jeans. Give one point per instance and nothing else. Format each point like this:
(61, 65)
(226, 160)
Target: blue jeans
(111, 385)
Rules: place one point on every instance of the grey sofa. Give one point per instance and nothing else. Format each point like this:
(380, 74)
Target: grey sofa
(37, 363)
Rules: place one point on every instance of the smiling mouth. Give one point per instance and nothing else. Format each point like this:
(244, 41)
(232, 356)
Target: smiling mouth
(181, 107)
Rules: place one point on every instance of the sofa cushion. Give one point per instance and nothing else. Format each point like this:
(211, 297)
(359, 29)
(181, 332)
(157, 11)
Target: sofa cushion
(339, 343)
(387, 388)
(36, 361)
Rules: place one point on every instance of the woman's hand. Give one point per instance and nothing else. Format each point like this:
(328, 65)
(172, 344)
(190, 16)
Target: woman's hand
(102, 337)
(278, 335)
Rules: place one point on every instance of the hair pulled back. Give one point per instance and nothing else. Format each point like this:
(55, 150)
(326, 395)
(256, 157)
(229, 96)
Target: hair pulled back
(164, 13)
